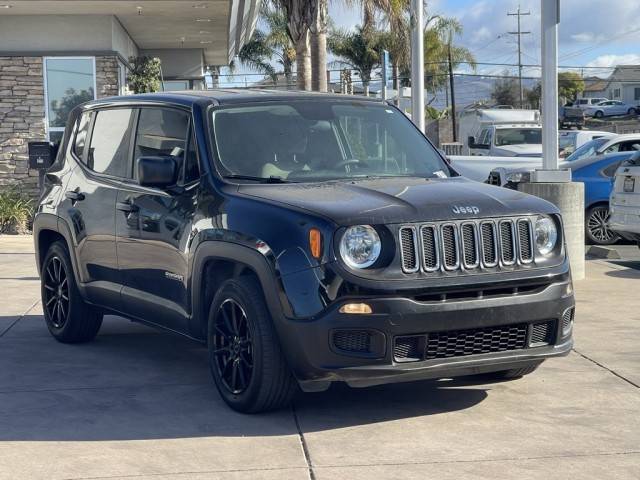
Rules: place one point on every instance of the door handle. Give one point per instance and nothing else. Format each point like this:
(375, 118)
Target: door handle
(126, 207)
(74, 196)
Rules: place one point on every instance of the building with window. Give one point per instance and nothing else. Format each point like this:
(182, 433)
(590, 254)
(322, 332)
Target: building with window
(55, 55)
(623, 84)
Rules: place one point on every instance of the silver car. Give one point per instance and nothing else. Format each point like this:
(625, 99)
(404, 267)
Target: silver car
(610, 108)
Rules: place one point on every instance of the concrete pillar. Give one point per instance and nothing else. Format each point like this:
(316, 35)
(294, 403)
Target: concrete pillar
(569, 198)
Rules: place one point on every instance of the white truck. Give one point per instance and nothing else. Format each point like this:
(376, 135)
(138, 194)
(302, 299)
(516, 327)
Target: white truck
(501, 132)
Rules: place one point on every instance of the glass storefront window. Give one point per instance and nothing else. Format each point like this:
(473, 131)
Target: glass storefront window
(69, 81)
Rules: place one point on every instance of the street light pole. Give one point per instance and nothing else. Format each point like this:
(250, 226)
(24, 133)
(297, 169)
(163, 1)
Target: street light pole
(417, 64)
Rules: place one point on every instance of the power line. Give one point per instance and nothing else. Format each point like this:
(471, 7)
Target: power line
(519, 33)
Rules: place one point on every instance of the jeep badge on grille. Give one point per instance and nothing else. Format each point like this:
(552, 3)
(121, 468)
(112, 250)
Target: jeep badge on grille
(468, 209)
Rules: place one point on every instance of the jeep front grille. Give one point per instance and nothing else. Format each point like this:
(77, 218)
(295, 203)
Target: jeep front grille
(466, 245)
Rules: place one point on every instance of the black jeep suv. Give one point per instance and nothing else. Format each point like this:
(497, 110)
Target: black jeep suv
(304, 239)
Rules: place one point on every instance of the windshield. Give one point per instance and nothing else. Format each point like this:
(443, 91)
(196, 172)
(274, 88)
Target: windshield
(518, 136)
(317, 140)
(587, 150)
(567, 140)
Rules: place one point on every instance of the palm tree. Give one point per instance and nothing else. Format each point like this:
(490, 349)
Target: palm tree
(300, 16)
(263, 47)
(359, 50)
(438, 43)
(256, 55)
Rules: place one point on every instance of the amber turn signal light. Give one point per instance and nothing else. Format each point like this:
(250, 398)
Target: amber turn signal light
(356, 308)
(315, 243)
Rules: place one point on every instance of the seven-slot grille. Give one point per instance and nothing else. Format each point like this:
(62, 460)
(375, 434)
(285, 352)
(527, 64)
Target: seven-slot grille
(467, 245)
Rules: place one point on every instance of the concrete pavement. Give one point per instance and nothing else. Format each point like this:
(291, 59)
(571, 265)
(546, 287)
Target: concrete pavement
(140, 404)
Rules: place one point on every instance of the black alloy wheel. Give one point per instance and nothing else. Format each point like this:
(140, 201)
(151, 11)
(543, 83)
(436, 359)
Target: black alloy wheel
(233, 347)
(56, 292)
(597, 226)
(68, 317)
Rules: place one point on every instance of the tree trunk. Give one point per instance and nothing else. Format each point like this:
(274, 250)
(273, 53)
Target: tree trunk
(365, 85)
(303, 63)
(319, 48)
(319, 61)
(396, 76)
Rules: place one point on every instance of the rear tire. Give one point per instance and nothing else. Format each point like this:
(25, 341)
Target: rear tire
(68, 317)
(597, 231)
(245, 358)
(632, 111)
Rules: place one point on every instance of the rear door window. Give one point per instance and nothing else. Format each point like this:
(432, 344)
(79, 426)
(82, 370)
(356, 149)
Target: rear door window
(110, 142)
(81, 136)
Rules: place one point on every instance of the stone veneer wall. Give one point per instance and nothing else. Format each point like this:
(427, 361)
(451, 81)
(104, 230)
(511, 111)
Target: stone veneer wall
(22, 114)
(21, 119)
(107, 76)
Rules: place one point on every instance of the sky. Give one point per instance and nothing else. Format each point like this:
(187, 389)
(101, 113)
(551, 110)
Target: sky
(594, 34)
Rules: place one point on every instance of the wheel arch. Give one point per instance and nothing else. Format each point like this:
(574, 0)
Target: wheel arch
(47, 229)
(214, 262)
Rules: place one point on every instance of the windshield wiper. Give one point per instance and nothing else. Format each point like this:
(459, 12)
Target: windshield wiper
(271, 179)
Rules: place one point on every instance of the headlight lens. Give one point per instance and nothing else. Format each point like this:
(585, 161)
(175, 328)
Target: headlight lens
(360, 246)
(546, 235)
(518, 177)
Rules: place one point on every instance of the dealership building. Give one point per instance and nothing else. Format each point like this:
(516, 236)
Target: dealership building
(55, 55)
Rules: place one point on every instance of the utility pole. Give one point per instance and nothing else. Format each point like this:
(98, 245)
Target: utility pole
(519, 33)
(453, 93)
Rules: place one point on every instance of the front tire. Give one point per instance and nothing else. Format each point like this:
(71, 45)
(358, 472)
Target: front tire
(68, 317)
(597, 229)
(245, 358)
(515, 373)
(632, 111)
(599, 114)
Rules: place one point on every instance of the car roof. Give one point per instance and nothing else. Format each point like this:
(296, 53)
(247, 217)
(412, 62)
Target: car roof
(227, 96)
(621, 138)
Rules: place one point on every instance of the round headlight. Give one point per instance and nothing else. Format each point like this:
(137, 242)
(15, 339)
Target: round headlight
(546, 235)
(360, 246)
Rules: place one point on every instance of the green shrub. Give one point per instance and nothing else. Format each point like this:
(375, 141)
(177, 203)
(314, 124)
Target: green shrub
(16, 211)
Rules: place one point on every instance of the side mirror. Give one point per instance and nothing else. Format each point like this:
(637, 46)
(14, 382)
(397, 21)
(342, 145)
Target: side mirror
(156, 172)
(471, 141)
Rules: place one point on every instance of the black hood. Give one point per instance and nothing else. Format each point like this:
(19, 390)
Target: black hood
(400, 200)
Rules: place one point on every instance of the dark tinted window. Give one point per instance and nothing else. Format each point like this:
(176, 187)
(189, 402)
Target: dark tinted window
(191, 167)
(161, 132)
(81, 136)
(109, 150)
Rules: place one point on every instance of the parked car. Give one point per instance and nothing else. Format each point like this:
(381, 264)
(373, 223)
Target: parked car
(277, 230)
(570, 140)
(599, 146)
(611, 108)
(596, 173)
(570, 116)
(625, 200)
(585, 103)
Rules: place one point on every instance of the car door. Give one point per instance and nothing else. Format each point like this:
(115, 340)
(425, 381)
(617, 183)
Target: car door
(153, 225)
(100, 149)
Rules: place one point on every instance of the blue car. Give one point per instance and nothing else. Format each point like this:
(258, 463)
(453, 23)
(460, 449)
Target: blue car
(596, 172)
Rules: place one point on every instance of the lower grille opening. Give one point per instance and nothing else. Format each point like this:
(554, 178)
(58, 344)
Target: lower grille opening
(409, 349)
(462, 343)
(543, 333)
(353, 341)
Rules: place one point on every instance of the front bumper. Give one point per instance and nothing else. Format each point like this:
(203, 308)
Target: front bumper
(316, 362)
